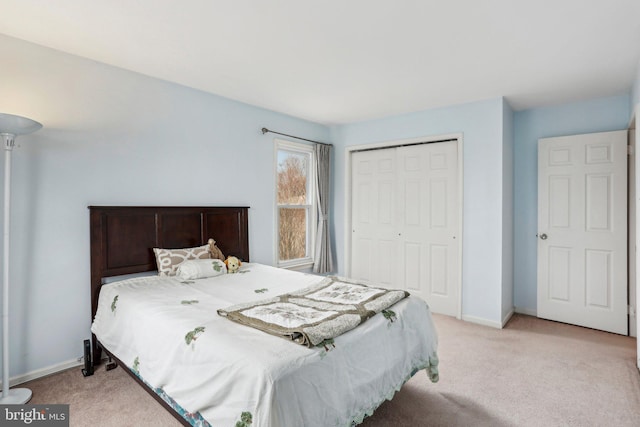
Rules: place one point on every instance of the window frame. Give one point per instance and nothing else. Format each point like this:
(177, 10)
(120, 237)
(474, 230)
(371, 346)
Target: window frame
(311, 206)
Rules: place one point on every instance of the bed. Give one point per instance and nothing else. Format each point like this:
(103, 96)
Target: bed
(208, 370)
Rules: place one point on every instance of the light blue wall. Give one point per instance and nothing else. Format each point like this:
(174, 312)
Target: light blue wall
(113, 137)
(482, 126)
(599, 115)
(507, 211)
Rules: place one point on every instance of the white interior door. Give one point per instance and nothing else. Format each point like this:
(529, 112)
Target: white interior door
(405, 220)
(582, 230)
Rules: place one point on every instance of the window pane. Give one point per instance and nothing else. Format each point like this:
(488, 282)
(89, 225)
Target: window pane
(293, 233)
(292, 178)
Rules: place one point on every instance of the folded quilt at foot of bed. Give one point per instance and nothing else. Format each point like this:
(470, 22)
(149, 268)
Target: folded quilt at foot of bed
(318, 313)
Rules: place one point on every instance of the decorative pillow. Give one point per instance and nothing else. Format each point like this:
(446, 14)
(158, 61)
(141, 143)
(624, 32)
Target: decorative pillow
(201, 268)
(215, 251)
(169, 259)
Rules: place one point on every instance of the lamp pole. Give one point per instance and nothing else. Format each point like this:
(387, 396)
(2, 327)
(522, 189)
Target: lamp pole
(10, 127)
(16, 395)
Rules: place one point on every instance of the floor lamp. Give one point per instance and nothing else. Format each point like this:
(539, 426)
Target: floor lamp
(10, 127)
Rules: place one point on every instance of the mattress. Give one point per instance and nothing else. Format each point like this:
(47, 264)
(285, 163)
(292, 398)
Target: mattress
(218, 372)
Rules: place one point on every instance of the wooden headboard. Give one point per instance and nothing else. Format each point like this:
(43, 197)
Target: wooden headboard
(123, 237)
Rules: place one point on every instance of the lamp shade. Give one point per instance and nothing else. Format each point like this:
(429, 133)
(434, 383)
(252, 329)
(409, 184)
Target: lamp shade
(17, 125)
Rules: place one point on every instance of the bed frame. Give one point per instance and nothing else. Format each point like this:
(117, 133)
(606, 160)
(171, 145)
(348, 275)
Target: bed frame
(123, 238)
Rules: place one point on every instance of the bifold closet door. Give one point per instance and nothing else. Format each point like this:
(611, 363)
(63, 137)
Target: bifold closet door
(404, 221)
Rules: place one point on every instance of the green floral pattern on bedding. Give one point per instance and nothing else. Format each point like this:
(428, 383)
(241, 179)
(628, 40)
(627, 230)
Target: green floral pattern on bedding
(327, 344)
(114, 304)
(245, 420)
(390, 315)
(193, 335)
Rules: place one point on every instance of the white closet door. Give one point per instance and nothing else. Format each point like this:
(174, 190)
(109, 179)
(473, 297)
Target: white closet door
(405, 219)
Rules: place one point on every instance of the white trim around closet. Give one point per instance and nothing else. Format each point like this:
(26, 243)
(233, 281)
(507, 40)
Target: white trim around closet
(396, 143)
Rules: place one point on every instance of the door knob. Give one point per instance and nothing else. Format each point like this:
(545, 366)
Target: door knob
(543, 236)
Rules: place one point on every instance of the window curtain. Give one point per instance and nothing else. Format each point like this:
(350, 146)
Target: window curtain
(323, 256)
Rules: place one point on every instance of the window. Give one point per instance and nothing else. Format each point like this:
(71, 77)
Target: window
(295, 203)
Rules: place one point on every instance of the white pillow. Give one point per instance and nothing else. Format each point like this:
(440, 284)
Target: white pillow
(201, 268)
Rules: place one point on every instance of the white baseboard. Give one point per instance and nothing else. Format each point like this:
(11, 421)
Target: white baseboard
(527, 311)
(506, 318)
(39, 373)
(481, 321)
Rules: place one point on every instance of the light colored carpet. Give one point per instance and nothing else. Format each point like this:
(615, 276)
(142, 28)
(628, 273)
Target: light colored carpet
(532, 373)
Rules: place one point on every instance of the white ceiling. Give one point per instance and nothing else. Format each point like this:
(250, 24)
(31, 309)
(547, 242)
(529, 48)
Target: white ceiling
(340, 61)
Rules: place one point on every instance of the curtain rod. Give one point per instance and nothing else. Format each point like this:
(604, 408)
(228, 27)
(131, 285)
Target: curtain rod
(265, 130)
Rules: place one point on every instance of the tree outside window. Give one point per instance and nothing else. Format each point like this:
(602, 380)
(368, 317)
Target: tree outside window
(295, 203)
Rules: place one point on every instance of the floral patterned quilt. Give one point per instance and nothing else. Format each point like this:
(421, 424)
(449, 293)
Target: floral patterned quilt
(318, 314)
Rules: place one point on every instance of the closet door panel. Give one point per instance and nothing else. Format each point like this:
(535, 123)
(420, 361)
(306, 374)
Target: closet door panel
(374, 218)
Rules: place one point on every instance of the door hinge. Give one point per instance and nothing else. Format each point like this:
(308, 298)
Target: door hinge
(630, 150)
(632, 311)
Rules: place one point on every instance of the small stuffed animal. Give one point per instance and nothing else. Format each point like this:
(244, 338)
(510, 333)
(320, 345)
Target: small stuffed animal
(233, 264)
(215, 250)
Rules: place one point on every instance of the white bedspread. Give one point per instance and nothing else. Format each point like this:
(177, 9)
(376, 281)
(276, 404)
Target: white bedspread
(169, 332)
